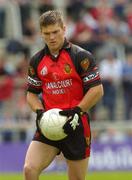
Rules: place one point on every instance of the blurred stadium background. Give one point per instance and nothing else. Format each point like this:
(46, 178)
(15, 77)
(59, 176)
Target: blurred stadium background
(103, 27)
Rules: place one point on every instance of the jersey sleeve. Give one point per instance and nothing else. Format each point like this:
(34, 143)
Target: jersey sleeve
(34, 83)
(88, 70)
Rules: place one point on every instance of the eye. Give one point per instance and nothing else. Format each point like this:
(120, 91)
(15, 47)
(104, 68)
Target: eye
(46, 34)
(55, 32)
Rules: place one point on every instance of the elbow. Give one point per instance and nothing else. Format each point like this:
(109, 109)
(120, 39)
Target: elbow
(28, 97)
(101, 90)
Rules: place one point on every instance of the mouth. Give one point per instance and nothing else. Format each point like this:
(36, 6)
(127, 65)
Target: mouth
(52, 43)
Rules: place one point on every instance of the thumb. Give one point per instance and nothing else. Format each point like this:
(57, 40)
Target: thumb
(64, 113)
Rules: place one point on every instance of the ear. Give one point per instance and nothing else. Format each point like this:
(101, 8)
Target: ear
(64, 28)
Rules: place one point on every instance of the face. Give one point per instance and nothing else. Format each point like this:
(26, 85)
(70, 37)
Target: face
(53, 36)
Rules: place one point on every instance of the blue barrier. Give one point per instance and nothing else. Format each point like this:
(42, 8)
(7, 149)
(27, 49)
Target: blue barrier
(104, 156)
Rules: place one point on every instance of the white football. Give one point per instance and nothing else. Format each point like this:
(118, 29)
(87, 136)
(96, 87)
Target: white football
(51, 124)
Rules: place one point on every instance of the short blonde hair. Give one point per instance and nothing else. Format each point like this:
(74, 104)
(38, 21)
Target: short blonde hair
(50, 18)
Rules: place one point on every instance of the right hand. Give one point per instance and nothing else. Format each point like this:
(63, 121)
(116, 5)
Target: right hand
(73, 118)
(39, 113)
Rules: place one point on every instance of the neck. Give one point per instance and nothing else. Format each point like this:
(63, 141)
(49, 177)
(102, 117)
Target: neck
(54, 53)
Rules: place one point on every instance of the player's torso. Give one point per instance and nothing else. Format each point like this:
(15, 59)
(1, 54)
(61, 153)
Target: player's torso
(62, 86)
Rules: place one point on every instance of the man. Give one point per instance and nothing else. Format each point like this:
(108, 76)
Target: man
(67, 78)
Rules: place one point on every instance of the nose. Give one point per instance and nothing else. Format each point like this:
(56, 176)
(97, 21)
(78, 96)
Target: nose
(52, 36)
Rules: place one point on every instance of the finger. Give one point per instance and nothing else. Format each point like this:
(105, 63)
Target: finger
(63, 113)
(75, 118)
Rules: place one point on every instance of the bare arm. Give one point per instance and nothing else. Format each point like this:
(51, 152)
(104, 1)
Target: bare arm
(34, 102)
(93, 95)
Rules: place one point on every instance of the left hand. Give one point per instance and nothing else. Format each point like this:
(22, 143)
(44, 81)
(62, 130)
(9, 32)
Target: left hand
(73, 115)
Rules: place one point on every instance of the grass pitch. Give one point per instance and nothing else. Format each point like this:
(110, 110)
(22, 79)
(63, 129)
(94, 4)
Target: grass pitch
(60, 176)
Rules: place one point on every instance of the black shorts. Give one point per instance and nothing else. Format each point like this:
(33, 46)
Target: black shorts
(75, 146)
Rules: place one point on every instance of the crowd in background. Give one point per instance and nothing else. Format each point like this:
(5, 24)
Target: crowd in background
(104, 27)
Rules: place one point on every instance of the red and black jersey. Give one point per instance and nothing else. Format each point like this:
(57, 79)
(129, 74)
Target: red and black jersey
(62, 80)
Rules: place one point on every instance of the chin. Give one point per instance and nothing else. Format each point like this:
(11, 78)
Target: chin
(55, 48)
